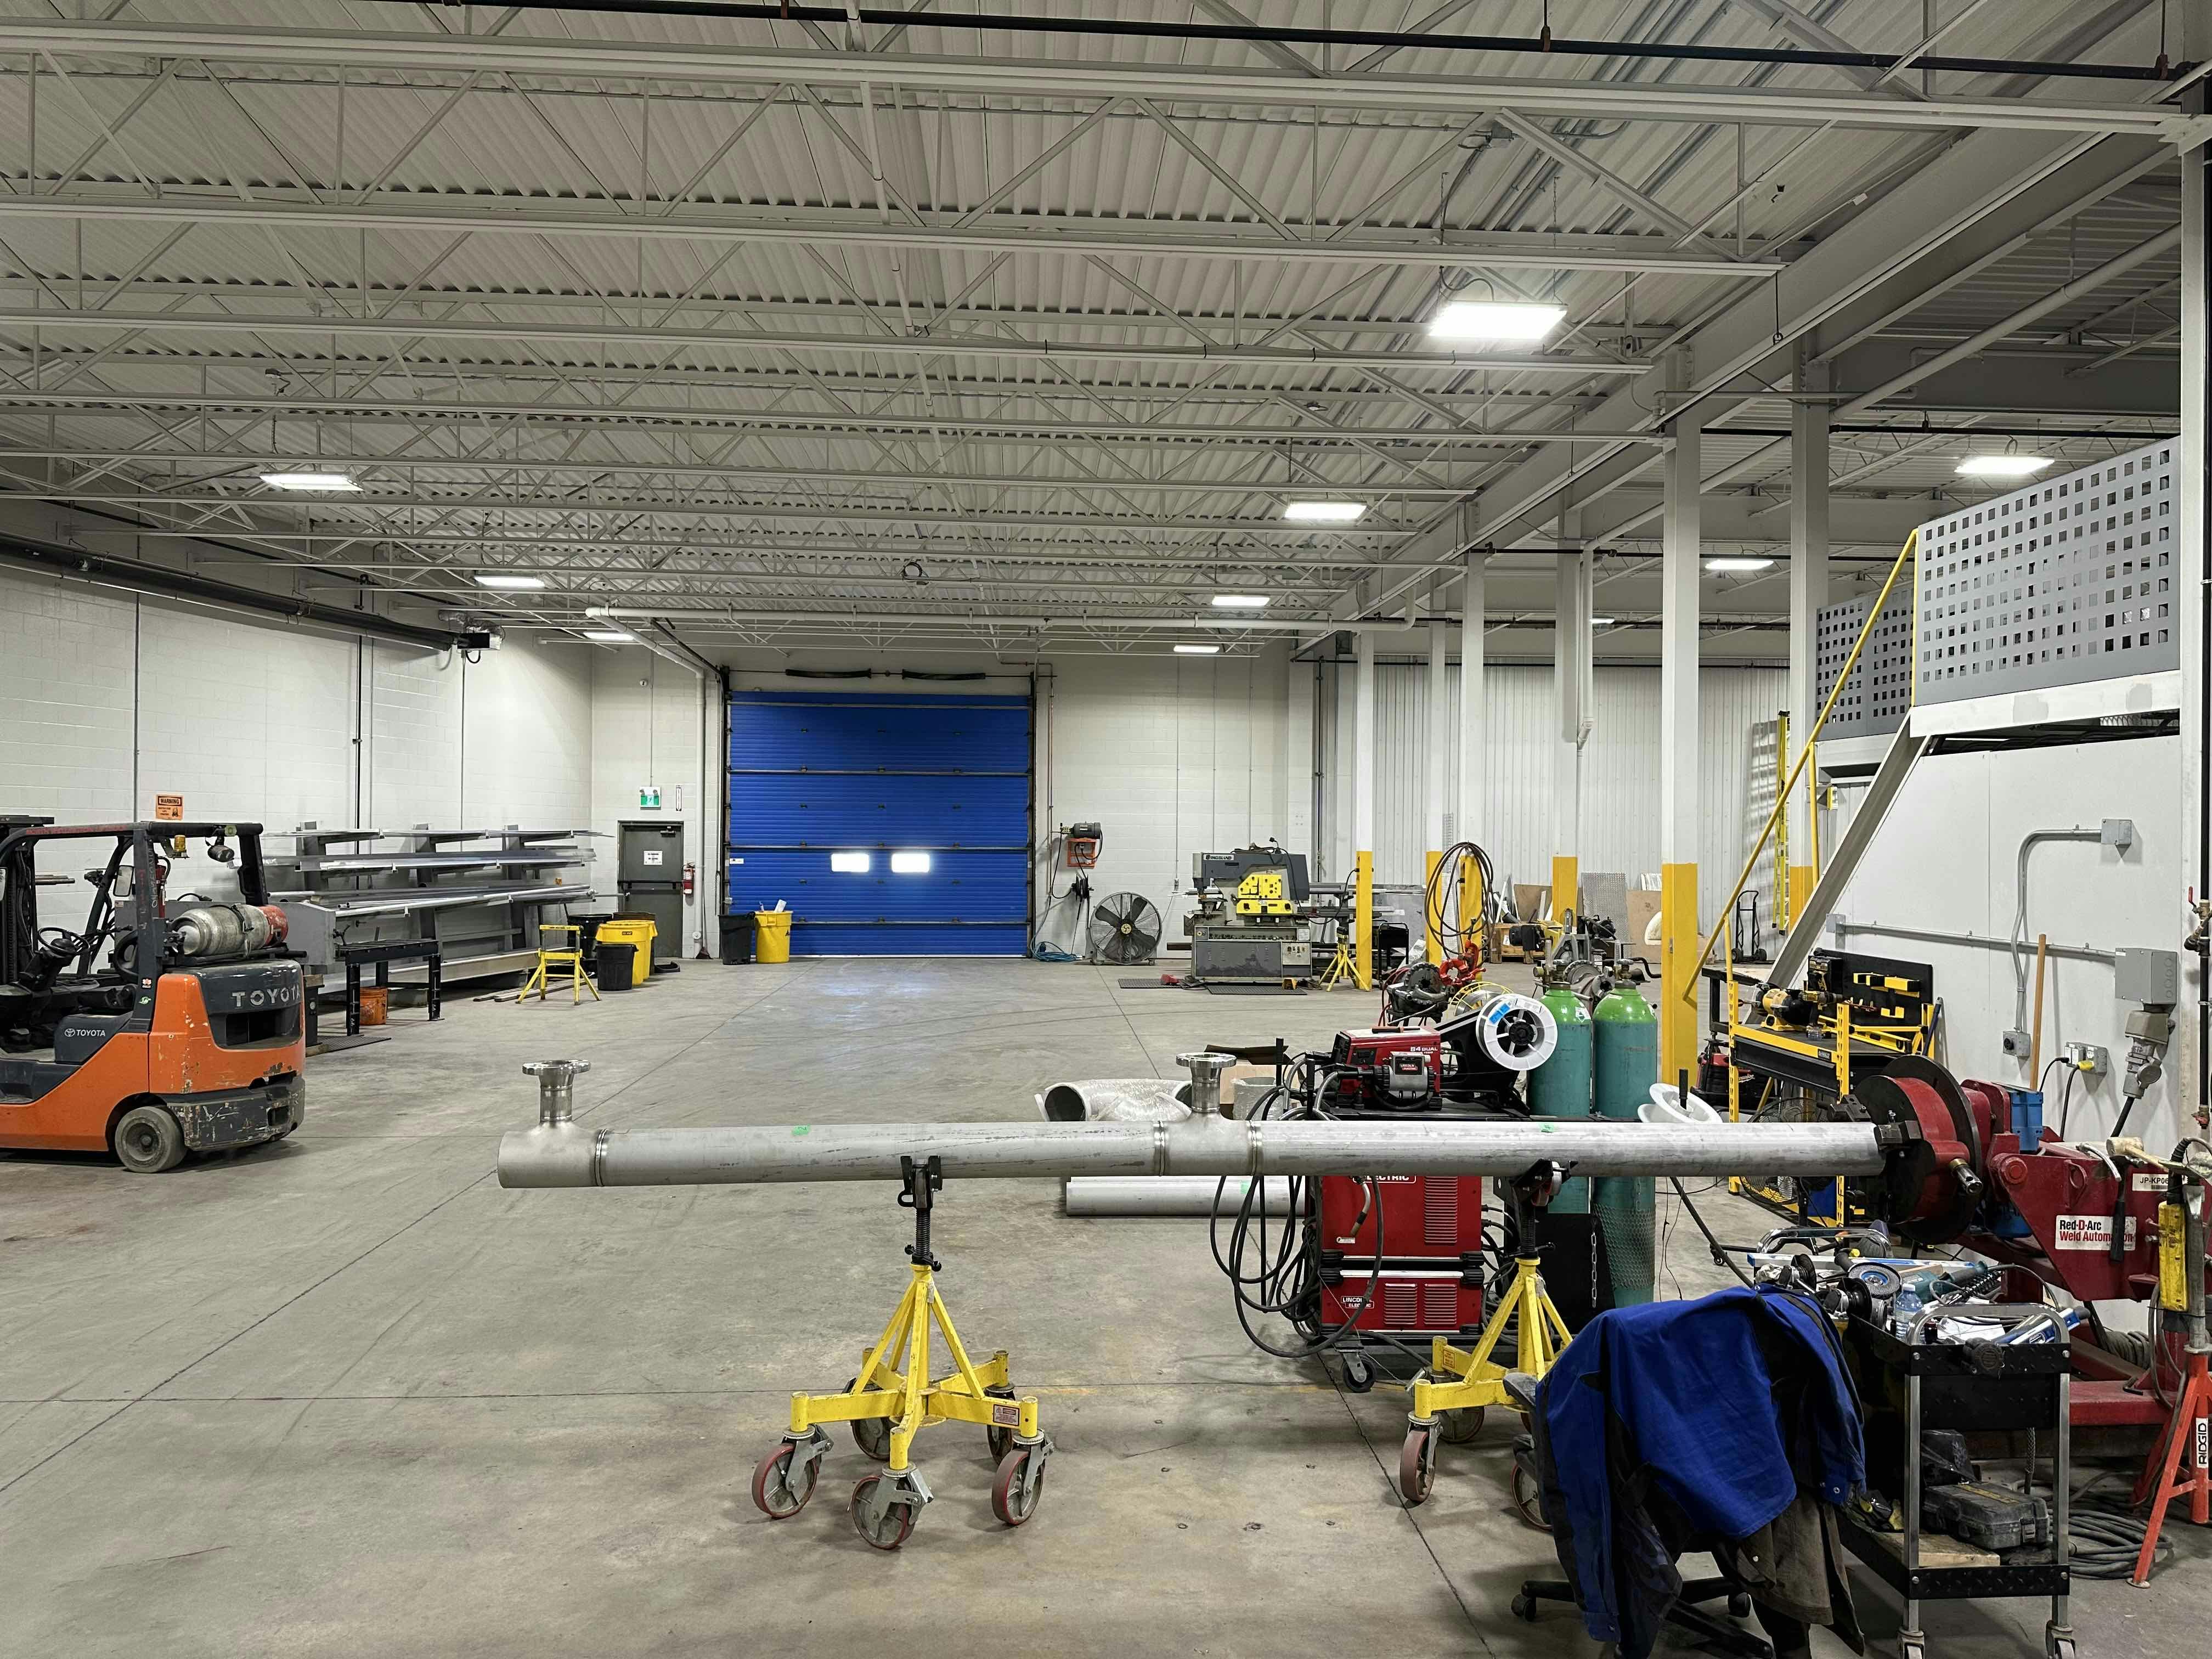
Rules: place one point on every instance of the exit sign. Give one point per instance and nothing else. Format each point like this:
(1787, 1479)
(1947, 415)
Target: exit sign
(649, 797)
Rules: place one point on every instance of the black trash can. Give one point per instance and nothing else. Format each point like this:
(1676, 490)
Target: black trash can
(740, 933)
(617, 966)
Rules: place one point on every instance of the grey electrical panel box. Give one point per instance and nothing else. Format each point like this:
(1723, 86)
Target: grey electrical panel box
(2152, 976)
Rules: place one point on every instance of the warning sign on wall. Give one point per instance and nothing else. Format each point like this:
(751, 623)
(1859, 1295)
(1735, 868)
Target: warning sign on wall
(169, 809)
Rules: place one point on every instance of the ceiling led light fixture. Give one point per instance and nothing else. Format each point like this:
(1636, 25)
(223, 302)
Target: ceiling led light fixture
(1323, 511)
(1602, 621)
(1515, 322)
(1731, 564)
(2003, 466)
(1198, 651)
(325, 480)
(1240, 602)
(511, 584)
(609, 636)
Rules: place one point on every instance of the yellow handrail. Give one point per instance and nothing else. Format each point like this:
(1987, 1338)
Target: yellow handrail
(1782, 798)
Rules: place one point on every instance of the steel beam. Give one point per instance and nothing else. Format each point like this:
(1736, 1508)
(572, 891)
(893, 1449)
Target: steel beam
(601, 60)
(898, 345)
(1020, 233)
(571, 418)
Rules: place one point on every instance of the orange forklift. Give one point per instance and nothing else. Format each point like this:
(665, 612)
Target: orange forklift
(161, 1028)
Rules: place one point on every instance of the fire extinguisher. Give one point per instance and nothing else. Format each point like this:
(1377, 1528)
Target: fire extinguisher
(690, 876)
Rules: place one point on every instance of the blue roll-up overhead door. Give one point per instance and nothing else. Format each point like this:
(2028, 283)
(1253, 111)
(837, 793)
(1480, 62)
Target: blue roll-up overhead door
(888, 825)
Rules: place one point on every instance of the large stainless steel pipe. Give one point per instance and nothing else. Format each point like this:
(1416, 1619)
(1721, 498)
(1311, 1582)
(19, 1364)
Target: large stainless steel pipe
(571, 1154)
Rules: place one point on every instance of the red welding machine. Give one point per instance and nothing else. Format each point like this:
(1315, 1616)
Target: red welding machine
(1428, 1281)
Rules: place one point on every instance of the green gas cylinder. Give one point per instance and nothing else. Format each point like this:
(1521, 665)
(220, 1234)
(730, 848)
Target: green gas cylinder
(1626, 1041)
(1560, 1087)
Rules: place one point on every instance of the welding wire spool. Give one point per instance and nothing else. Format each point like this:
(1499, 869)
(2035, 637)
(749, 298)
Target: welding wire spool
(1514, 1031)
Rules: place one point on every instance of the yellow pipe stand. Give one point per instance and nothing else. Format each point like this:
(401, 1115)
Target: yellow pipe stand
(892, 1398)
(569, 956)
(1454, 1408)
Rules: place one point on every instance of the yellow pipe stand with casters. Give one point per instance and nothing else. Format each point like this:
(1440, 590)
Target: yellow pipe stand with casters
(1450, 1395)
(571, 956)
(892, 1398)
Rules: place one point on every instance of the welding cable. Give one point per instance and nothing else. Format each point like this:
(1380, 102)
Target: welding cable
(1720, 1254)
(2103, 1536)
(1280, 1274)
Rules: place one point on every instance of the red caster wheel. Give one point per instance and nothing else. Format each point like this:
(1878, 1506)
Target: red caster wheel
(1417, 1466)
(1015, 1492)
(887, 1530)
(783, 1481)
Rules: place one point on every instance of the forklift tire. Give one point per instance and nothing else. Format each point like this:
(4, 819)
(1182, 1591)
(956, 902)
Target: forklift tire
(148, 1140)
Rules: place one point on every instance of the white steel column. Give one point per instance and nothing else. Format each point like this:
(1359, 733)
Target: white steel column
(1362, 750)
(1678, 779)
(1438, 724)
(1571, 685)
(1438, 728)
(1363, 811)
(1467, 821)
(2192, 1038)
(1809, 591)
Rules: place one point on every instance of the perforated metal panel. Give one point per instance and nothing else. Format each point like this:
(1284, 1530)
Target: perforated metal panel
(1880, 689)
(2067, 580)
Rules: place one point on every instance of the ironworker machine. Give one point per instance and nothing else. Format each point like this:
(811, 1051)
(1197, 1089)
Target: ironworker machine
(156, 1028)
(1254, 924)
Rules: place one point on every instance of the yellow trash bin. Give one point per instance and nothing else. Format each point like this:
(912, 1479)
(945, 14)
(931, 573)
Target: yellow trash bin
(638, 931)
(772, 943)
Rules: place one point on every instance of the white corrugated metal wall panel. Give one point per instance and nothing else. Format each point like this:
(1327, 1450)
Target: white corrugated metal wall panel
(1619, 775)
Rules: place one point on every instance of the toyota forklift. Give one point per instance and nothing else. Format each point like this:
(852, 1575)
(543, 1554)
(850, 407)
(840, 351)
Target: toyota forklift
(160, 1028)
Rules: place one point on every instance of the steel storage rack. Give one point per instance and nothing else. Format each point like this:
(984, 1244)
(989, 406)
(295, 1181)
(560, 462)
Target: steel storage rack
(473, 898)
(1909, 1387)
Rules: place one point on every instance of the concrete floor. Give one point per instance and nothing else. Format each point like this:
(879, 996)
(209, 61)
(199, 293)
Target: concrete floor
(345, 1396)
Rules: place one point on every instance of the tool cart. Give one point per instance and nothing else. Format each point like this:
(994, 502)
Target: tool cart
(2010, 1382)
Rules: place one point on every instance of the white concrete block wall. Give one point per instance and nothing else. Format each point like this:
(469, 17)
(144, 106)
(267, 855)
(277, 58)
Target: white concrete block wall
(244, 721)
(527, 737)
(647, 727)
(114, 699)
(68, 670)
(412, 730)
(1173, 755)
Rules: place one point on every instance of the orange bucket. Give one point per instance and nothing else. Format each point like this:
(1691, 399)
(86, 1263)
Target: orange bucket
(375, 1005)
